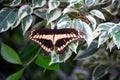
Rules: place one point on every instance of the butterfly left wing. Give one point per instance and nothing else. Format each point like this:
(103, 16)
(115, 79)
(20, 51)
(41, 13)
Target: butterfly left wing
(44, 38)
(64, 37)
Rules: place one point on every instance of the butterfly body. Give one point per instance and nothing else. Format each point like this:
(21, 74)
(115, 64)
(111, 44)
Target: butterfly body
(58, 38)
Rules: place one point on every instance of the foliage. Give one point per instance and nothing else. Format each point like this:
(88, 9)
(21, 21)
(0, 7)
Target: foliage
(98, 51)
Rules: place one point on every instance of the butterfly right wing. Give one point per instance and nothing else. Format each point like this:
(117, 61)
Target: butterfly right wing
(64, 37)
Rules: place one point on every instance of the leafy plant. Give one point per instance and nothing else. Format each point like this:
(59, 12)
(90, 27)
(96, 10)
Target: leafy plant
(98, 51)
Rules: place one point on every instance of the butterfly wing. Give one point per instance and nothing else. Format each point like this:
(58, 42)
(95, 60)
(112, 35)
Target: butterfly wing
(60, 38)
(44, 38)
(64, 37)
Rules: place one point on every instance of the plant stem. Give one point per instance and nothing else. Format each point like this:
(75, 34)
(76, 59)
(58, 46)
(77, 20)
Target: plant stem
(33, 58)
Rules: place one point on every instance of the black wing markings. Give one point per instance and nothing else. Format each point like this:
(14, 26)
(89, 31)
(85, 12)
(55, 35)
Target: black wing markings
(60, 38)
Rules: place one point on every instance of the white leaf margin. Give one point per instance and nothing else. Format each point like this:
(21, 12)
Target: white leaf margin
(97, 13)
(26, 23)
(38, 3)
(14, 3)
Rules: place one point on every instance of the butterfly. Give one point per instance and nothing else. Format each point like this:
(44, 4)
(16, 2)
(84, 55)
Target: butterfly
(58, 38)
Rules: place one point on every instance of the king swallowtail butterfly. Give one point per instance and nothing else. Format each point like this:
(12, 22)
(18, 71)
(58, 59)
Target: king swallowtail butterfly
(58, 38)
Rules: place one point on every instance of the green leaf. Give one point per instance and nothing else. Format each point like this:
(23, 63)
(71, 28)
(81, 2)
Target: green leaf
(73, 2)
(9, 54)
(99, 71)
(87, 52)
(64, 22)
(40, 24)
(89, 34)
(16, 76)
(58, 58)
(38, 3)
(105, 26)
(73, 46)
(114, 29)
(69, 10)
(92, 21)
(53, 4)
(98, 14)
(113, 9)
(103, 38)
(15, 2)
(41, 13)
(27, 53)
(23, 11)
(77, 23)
(110, 45)
(89, 2)
(26, 23)
(7, 18)
(116, 39)
(99, 2)
(43, 61)
(53, 15)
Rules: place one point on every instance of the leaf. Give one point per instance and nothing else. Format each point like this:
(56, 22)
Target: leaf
(103, 38)
(53, 4)
(73, 2)
(77, 23)
(64, 0)
(64, 22)
(58, 58)
(16, 76)
(100, 2)
(105, 26)
(88, 33)
(43, 61)
(38, 3)
(26, 23)
(110, 45)
(23, 11)
(99, 71)
(73, 46)
(116, 39)
(96, 34)
(84, 27)
(92, 20)
(41, 13)
(40, 24)
(27, 52)
(114, 29)
(15, 3)
(113, 1)
(98, 14)
(79, 5)
(9, 54)
(7, 18)
(89, 2)
(113, 9)
(87, 52)
(69, 10)
(53, 15)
